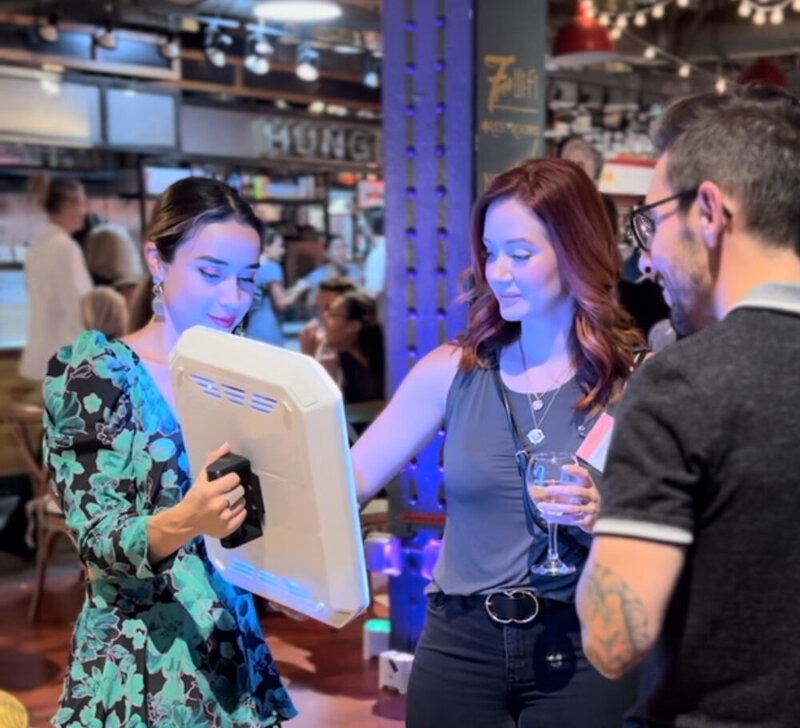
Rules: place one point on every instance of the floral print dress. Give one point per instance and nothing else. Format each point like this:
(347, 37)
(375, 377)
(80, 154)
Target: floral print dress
(165, 644)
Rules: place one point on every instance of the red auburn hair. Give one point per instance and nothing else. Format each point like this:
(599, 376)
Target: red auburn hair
(603, 339)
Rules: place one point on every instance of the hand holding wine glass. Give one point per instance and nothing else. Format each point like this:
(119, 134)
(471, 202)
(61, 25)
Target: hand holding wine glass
(562, 492)
(574, 501)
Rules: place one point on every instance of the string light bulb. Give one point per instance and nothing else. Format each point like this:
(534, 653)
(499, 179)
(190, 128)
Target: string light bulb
(721, 85)
(744, 9)
(760, 17)
(683, 3)
(684, 70)
(640, 20)
(776, 16)
(658, 11)
(622, 21)
(796, 5)
(615, 33)
(650, 53)
(602, 18)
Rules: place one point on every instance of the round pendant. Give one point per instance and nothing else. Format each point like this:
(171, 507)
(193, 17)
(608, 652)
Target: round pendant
(536, 404)
(535, 436)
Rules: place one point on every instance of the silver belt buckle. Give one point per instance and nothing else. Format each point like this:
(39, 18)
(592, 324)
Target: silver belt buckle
(513, 594)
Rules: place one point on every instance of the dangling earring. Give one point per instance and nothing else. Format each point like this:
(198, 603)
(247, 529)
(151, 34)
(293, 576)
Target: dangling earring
(158, 300)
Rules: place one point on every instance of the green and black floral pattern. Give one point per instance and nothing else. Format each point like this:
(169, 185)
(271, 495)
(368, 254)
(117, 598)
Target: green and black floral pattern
(167, 644)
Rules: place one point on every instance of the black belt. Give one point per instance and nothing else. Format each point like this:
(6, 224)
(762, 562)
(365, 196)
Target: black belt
(510, 606)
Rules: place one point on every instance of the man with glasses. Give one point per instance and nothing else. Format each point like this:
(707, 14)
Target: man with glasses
(696, 559)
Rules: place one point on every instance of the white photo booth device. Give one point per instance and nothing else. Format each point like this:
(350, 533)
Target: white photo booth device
(301, 546)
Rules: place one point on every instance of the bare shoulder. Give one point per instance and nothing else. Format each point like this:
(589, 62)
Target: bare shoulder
(432, 376)
(441, 363)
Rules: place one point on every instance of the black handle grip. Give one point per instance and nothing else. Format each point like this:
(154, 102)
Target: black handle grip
(252, 528)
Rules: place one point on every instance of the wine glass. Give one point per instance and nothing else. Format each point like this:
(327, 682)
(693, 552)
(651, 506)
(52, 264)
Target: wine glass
(544, 470)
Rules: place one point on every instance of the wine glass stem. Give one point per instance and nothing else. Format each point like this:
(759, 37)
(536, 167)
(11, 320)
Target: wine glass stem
(552, 542)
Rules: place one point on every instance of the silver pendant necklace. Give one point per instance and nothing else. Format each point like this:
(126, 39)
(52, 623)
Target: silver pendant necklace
(536, 434)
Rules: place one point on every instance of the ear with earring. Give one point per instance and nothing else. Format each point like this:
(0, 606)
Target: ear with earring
(158, 300)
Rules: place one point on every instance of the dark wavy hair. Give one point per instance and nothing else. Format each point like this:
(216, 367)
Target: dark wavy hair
(179, 211)
(603, 340)
(361, 307)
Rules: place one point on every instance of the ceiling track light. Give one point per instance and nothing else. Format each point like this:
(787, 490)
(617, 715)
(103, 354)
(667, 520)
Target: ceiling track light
(259, 49)
(307, 68)
(372, 71)
(106, 37)
(216, 41)
(47, 28)
(170, 47)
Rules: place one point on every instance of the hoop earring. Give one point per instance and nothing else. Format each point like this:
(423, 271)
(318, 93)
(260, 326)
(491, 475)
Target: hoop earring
(158, 300)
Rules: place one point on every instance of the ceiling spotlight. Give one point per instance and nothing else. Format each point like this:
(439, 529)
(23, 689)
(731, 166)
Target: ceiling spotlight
(216, 41)
(47, 28)
(170, 47)
(372, 71)
(298, 11)
(307, 68)
(106, 38)
(257, 61)
(262, 46)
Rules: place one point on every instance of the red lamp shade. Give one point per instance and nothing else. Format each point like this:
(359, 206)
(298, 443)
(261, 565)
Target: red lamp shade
(764, 71)
(582, 41)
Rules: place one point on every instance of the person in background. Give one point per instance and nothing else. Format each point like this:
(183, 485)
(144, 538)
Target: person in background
(111, 255)
(641, 297)
(91, 220)
(336, 265)
(56, 277)
(546, 352)
(162, 639)
(694, 564)
(354, 338)
(375, 261)
(127, 288)
(270, 297)
(312, 337)
(105, 310)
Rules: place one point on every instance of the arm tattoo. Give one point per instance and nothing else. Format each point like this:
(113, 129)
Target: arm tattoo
(616, 620)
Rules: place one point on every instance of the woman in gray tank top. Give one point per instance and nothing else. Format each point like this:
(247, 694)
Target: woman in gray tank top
(546, 352)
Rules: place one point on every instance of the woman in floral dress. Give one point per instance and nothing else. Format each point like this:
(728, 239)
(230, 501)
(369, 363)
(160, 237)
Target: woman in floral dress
(162, 639)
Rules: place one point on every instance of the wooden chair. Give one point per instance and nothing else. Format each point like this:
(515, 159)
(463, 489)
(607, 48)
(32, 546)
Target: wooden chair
(25, 421)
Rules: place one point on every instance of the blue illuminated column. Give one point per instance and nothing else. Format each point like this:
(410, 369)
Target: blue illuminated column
(438, 147)
(427, 107)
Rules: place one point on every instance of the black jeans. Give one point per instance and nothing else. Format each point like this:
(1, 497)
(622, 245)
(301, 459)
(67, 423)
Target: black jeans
(471, 672)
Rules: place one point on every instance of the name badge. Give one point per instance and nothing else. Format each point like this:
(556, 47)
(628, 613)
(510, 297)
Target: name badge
(594, 448)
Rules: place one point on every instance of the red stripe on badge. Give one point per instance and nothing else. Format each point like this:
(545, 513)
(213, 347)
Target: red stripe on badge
(593, 448)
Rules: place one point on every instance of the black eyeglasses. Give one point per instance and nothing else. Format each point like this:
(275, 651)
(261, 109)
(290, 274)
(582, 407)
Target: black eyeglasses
(641, 225)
